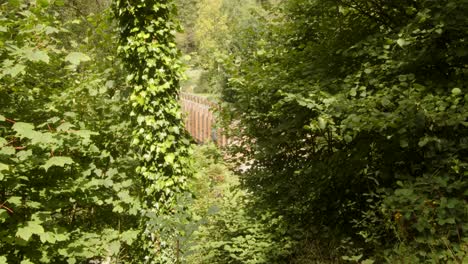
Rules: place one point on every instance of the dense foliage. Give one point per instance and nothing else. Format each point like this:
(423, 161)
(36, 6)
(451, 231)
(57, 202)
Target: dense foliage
(348, 119)
(353, 116)
(147, 45)
(68, 193)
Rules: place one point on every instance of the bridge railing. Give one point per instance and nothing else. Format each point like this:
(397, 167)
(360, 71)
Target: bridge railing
(200, 120)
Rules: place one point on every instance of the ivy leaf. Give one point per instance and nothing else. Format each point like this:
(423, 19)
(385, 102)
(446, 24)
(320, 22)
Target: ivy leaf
(169, 158)
(76, 58)
(57, 161)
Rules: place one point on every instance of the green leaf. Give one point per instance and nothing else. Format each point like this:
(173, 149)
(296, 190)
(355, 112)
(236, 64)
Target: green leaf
(129, 236)
(3, 29)
(50, 30)
(36, 55)
(456, 91)
(76, 58)
(24, 129)
(48, 237)
(65, 126)
(26, 261)
(31, 228)
(2, 118)
(322, 123)
(7, 150)
(169, 158)
(3, 167)
(15, 200)
(15, 70)
(402, 42)
(114, 247)
(57, 161)
(3, 260)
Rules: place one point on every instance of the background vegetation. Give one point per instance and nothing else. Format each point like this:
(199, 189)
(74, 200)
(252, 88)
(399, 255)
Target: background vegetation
(352, 118)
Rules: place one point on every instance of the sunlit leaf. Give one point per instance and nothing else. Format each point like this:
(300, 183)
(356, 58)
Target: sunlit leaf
(57, 161)
(76, 58)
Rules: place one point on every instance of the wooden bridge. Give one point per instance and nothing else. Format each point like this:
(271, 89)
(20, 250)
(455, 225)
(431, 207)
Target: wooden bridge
(200, 119)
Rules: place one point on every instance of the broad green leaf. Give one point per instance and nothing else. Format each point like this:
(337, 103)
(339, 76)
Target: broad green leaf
(7, 150)
(26, 261)
(50, 30)
(114, 247)
(36, 55)
(76, 58)
(24, 155)
(2, 118)
(3, 29)
(15, 70)
(3, 260)
(65, 127)
(47, 237)
(129, 236)
(57, 161)
(24, 129)
(31, 228)
(15, 200)
(322, 123)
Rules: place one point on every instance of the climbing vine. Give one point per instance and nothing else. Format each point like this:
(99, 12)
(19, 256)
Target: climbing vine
(147, 46)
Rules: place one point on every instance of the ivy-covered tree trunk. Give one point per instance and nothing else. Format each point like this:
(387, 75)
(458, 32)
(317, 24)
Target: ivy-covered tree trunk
(148, 49)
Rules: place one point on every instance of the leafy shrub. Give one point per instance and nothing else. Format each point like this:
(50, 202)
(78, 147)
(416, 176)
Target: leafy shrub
(353, 115)
(67, 188)
(229, 231)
